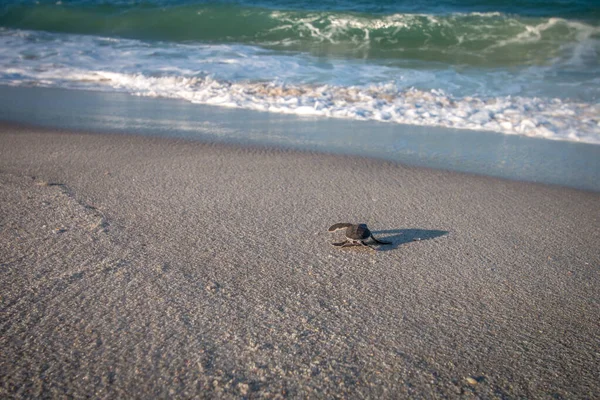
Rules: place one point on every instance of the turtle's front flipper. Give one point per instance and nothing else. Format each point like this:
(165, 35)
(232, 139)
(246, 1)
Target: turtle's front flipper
(335, 227)
(340, 243)
(379, 241)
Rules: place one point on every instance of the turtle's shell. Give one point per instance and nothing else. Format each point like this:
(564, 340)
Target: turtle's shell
(358, 232)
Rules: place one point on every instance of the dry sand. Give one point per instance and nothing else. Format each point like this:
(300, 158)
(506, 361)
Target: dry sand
(140, 268)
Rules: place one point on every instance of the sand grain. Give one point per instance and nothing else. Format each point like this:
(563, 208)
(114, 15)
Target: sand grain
(210, 274)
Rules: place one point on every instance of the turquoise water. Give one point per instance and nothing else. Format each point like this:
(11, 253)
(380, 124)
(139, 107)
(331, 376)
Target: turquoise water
(452, 35)
(528, 69)
(456, 33)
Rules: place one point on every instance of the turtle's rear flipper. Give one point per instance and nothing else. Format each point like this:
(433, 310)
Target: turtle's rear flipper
(335, 227)
(380, 241)
(366, 245)
(339, 244)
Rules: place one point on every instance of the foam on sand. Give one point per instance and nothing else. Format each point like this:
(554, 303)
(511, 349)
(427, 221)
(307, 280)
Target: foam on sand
(555, 119)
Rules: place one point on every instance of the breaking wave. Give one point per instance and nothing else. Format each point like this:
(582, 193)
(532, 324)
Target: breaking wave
(476, 38)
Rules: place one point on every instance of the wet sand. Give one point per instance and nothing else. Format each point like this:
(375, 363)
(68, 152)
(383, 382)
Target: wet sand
(137, 267)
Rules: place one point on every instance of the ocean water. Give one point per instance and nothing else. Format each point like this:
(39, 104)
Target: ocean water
(529, 69)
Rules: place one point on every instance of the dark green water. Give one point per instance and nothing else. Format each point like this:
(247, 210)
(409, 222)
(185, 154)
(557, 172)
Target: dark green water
(457, 32)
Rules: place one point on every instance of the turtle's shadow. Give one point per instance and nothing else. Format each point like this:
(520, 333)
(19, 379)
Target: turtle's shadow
(398, 237)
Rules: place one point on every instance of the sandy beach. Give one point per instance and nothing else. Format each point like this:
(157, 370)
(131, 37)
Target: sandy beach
(138, 267)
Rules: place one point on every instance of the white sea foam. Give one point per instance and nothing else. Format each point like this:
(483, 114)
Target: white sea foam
(493, 26)
(329, 27)
(555, 119)
(242, 76)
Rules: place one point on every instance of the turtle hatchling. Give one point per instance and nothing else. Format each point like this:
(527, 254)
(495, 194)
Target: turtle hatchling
(356, 235)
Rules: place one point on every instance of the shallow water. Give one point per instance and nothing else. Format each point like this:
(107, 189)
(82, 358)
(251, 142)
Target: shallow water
(514, 157)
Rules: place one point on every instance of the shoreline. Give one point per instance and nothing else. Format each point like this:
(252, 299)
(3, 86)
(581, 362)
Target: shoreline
(143, 266)
(489, 154)
(236, 146)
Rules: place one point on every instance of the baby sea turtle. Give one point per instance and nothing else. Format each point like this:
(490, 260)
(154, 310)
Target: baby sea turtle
(356, 235)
